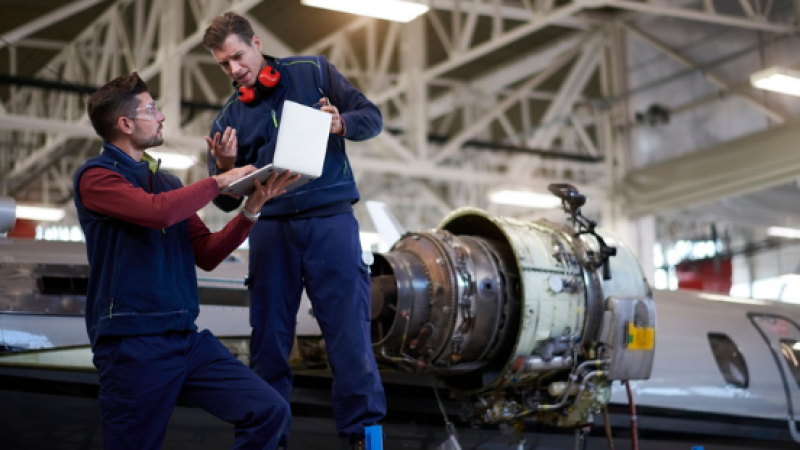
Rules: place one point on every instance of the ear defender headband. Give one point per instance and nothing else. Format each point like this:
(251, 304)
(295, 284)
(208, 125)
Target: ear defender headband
(267, 78)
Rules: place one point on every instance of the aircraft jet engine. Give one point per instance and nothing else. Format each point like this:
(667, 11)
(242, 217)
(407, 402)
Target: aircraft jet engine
(519, 319)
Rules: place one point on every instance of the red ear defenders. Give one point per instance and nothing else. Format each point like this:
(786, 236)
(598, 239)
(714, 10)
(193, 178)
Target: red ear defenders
(265, 81)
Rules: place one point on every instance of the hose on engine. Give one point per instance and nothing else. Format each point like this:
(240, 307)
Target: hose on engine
(607, 427)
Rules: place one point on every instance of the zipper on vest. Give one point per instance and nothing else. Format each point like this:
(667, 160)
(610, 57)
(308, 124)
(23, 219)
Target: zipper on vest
(274, 119)
(111, 308)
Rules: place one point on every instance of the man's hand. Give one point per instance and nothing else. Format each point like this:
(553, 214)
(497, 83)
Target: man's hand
(337, 124)
(274, 186)
(226, 178)
(224, 149)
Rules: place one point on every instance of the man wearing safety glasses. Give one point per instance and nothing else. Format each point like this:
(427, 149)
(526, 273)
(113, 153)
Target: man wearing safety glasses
(143, 239)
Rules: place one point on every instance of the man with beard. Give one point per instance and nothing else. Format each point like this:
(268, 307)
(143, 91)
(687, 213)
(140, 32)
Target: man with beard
(143, 239)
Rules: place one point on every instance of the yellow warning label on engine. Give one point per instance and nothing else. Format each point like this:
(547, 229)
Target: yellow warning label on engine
(641, 338)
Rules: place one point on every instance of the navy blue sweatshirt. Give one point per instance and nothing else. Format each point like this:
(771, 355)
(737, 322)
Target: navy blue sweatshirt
(304, 79)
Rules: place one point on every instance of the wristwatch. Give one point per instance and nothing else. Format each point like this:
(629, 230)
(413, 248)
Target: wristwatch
(251, 217)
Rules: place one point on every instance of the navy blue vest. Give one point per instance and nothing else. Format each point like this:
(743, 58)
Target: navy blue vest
(142, 281)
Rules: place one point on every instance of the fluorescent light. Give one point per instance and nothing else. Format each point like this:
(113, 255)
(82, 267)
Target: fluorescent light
(525, 198)
(777, 79)
(39, 213)
(792, 233)
(176, 161)
(394, 10)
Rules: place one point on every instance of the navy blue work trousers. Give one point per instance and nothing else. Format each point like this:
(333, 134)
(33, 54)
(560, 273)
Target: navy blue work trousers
(324, 255)
(142, 377)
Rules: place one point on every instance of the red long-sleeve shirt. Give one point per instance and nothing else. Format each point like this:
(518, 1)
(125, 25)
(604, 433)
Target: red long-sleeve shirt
(109, 193)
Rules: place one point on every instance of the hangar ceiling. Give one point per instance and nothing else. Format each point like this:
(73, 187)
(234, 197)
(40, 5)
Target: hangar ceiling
(477, 95)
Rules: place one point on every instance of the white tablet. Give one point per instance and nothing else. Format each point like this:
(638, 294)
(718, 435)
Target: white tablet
(244, 185)
(301, 145)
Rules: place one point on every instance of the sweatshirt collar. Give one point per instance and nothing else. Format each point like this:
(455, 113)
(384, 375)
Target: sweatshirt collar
(151, 164)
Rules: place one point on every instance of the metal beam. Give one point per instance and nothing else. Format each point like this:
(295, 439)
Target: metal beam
(480, 50)
(55, 16)
(80, 128)
(189, 43)
(757, 161)
(43, 44)
(509, 73)
(710, 76)
(331, 39)
(691, 14)
(426, 170)
(411, 169)
(455, 143)
(509, 12)
(568, 93)
(270, 43)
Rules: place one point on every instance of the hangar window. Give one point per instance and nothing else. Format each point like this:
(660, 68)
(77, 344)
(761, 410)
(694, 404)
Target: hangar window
(729, 360)
(791, 352)
(222, 296)
(55, 285)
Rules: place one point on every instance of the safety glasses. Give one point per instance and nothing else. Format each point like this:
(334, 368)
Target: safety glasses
(148, 111)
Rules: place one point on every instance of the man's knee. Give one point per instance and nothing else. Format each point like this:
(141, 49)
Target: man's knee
(276, 413)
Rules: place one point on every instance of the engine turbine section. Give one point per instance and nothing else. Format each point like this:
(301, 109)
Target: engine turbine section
(519, 319)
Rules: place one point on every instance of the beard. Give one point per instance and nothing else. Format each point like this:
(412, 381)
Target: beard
(147, 141)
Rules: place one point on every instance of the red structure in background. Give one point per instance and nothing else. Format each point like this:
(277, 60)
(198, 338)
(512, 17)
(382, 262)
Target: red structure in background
(23, 228)
(708, 275)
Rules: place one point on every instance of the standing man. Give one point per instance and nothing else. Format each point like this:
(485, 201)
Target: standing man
(143, 239)
(308, 237)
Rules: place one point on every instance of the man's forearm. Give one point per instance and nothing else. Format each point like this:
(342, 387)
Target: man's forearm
(109, 193)
(209, 248)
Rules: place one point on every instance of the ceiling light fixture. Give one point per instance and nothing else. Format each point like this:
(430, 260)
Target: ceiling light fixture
(777, 79)
(174, 161)
(40, 213)
(525, 198)
(394, 10)
(791, 233)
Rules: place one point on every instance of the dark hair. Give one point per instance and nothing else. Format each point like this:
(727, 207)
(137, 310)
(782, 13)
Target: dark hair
(223, 26)
(112, 101)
